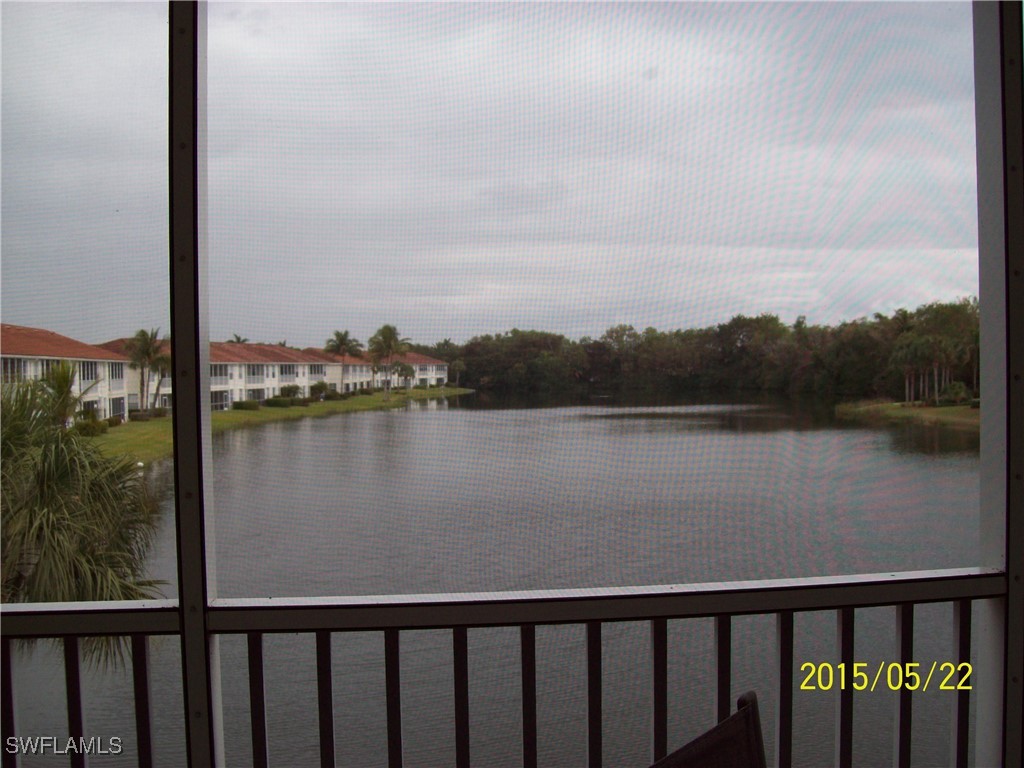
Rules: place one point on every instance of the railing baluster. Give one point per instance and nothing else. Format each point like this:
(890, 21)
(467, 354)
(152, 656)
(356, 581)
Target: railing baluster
(10, 759)
(962, 702)
(140, 684)
(460, 655)
(723, 667)
(659, 689)
(393, 686)
(528, 657)
(257, 701)
(904, 704)
(594, 694)
(325, 697)
(73, 686)
(844, 714)
(784, 661)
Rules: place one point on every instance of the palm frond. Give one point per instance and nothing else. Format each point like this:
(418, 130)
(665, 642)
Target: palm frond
(76, 525)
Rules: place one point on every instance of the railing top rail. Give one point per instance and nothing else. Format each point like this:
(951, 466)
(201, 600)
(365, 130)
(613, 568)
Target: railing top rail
(114, 617)
(554, 606)
(561, 606)
(600, 593)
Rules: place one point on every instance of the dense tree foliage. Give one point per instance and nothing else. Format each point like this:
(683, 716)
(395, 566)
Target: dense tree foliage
(914, 355)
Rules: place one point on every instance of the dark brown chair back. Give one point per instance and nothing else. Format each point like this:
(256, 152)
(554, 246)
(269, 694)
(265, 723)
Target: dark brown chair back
(736, 742)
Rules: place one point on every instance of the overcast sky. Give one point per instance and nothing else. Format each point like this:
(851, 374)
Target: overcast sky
(465, 169)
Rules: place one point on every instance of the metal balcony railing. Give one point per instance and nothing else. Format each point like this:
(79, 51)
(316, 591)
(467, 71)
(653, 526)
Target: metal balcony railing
(392, 615)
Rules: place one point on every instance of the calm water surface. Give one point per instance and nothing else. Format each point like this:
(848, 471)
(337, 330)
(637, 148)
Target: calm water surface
(440, 498)
(450, 500)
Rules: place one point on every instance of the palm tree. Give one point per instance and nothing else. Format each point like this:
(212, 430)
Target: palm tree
(144, 350)
(236, 339)
(76, 525)
(385, 345)
(341, 343)
(162, 367)
(908, 355)
(58, 383)
(405, 372)
(458, 368)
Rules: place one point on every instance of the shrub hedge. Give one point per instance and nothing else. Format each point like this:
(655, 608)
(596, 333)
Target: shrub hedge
(91, 427)
(246, 405)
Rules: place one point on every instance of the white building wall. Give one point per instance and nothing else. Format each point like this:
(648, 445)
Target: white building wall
(96, 393)
(358, 376)
(335, 376)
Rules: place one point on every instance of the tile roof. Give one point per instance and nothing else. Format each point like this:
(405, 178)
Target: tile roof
(331, 357)
(244, 352)
(412, 358)
(232, 352)
(415, 358)
(38, 342)
(120, 346)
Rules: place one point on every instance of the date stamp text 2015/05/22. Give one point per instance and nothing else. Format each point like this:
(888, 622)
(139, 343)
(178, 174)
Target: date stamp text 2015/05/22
(893, 675)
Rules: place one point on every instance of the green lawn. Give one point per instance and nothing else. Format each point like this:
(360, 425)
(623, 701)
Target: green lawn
(148, 441)
(956, 416)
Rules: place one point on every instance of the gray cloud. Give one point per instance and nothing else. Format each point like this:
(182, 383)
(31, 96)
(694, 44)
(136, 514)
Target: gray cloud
(462, 169)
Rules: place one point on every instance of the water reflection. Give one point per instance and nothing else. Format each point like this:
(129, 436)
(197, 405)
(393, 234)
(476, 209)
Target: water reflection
(934, 440)
(728, 418)
(747, 418)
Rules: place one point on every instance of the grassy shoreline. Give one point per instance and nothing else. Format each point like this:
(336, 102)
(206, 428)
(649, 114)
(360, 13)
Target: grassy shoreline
(955, 416)
(147, 441)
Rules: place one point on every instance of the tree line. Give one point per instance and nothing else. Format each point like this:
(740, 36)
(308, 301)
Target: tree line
(922, 355)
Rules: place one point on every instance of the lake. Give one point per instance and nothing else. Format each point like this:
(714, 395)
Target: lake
(452, 497)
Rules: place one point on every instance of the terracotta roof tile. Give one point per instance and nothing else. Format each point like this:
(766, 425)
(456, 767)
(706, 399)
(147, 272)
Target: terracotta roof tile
(330, 357)
(232, 352)
(415, 358)
(120, 346)
(37, 342)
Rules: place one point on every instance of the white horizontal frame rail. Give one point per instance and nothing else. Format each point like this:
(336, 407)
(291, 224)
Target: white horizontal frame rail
(480, 609)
